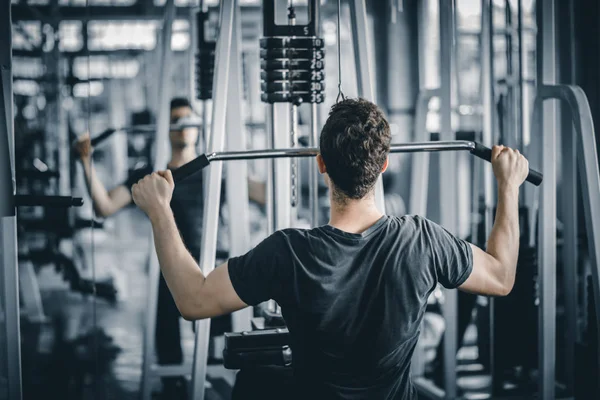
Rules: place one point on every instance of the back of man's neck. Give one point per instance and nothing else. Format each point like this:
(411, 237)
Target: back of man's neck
(355, 216)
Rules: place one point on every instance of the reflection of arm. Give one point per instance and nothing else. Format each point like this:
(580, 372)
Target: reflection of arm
(105, 202)
(257, 191)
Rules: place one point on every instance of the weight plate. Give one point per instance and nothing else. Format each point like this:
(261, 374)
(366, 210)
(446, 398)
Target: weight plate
(282, 63)
(292, 86)
(296, 42)
(287, 97)
(209, 58)
(294, 75)
(207, 47)
(206, 72)
(298, 54)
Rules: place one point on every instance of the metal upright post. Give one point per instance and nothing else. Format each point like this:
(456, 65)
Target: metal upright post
(279, 124)
(161, 153)
(362, 56)
(547, 75)
(489, 124)
(281, 188)
(208, 249)
(448, 187)
(570, 194)
(9, 280)
(161, 158)
(314, 172)
(420, 162)
(237, 173)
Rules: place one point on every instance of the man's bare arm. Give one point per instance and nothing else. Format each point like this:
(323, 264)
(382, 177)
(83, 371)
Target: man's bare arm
(105, 202)
(494, 270)
(195, 295)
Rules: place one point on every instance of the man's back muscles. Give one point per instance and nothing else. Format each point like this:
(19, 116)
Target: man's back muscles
(353, 302)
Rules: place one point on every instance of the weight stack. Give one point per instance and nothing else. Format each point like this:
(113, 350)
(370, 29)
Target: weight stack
(205, 60)
(292, 70)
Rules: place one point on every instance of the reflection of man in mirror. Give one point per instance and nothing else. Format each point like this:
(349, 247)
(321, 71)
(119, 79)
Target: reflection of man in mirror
(187, 206)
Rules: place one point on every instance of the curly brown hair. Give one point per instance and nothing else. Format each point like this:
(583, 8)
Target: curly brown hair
(355, 143)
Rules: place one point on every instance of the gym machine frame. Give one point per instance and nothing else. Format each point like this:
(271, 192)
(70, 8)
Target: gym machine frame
(9, 279)
(582, 151)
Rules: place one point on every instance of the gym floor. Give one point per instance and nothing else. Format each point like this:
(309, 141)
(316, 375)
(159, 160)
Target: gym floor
(58, 355)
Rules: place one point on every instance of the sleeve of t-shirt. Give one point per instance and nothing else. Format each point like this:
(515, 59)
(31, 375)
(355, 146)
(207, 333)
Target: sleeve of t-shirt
(452, 257)
(257, 275)
(136, 175)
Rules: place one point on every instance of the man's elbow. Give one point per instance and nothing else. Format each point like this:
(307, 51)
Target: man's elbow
(101, 211)
(192, 311)
(506, 286)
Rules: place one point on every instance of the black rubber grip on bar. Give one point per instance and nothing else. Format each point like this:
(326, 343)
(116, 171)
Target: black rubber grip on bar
(191, 168)
(485, 153)
(102, 137)
(48, 201)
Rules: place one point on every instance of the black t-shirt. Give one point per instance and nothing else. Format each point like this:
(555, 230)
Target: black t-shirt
(353, 303)
(187, 204)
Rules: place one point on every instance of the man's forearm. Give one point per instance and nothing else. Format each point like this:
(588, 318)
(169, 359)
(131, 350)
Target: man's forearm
(503, 243)
(182, 274)
(96, 189)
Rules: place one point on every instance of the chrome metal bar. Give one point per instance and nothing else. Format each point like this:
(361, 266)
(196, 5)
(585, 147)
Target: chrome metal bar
(314, 172)
(208, 250)
(570, 194)
(447, 190)
(457, 145)
(453, 145)
(488, 128)
(546, 132)
(282, 188)
(237, 175)
(420, 162)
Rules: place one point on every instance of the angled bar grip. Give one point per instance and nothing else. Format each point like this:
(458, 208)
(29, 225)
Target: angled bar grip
(189, 169)
(485, 153)
(102, 137)
(48, 201)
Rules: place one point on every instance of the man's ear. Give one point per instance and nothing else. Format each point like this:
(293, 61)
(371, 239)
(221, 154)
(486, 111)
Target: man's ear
(385, 164)
(321, 164)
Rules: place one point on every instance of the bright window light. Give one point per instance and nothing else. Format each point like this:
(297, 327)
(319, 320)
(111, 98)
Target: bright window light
(26, 67)
(84, 3)
(120, 35)
(99, 67)
(25, 87)
(88, 89)
(180, 41)
(33, 33)
(70, 36)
